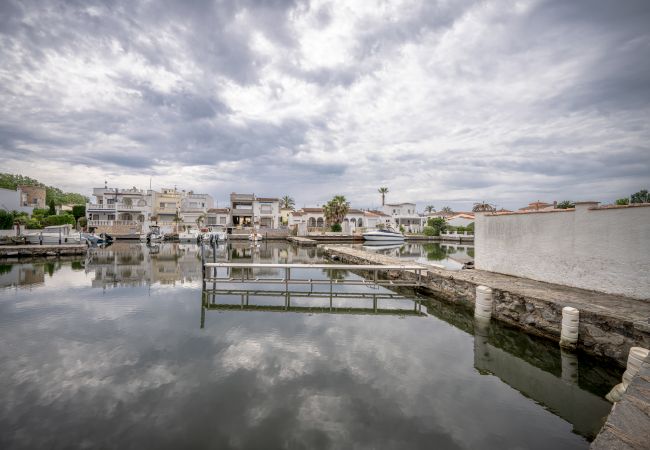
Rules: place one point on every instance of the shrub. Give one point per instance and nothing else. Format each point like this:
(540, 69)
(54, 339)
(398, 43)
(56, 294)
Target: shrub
(33, 224)
(6, 220)
(78, 211)
(83, 222)
(337, 227)
(58, 220)
(623, 201)
(430, 231)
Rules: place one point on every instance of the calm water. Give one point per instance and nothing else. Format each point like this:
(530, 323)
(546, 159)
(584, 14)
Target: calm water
(450, 255)
(122, 350)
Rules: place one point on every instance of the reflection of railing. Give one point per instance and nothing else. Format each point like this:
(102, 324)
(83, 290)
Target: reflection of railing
(210, 302)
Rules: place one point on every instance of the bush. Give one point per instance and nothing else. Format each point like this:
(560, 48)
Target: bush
(41, 212)
(430, 231)
(33, 224)
(623, 201)
(337, 227)
(438, 224)
(6, 220)
(78, 211)
(83, 222)
(58, 220)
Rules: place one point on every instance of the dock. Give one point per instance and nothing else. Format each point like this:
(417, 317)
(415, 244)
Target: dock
(302, 241)
(245, 274)
(32, 251)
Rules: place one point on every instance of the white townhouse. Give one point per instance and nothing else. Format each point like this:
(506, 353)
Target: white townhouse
(406, 215)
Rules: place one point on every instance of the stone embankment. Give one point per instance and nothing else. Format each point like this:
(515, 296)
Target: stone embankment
(32, 251)
(609, 324)
(628, 424)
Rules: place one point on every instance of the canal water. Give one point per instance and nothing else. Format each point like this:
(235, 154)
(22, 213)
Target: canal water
(452, 256)
(124, 349)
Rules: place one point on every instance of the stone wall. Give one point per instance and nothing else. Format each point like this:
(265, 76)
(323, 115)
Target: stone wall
(604, 249)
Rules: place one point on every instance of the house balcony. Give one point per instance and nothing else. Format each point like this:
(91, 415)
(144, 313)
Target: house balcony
(100, 207)
(166, 210)
(110, 223)
(127, 207)
(242, 212)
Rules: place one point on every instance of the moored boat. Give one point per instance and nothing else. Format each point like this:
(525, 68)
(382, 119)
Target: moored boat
(55, 234)
(387, 234)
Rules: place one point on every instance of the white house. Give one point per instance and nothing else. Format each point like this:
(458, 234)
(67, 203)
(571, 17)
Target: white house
(11, 200)
(406, 215)
(115, 207)
(218, 217)
(355, 218)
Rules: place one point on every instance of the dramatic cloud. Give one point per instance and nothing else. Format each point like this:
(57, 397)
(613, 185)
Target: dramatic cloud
(443, 102)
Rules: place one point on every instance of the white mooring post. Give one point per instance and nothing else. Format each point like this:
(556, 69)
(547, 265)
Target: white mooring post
(569, 330)
(483, 305)
(634, 360)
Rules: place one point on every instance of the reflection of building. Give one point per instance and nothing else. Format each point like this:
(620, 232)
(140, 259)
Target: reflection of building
(23, 274)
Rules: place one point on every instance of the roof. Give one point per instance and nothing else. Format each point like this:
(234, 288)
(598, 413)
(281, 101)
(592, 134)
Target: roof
(399, 204)
(462, 216)
(312, 210)
(377, 213)
(536, 206)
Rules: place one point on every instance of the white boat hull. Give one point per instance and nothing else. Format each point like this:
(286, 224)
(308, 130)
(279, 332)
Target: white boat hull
(52, 239)
(383, 237)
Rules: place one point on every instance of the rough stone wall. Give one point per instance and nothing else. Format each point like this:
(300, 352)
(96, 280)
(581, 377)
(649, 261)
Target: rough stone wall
(600, 249)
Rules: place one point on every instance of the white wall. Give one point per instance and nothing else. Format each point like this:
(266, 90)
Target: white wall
(600, 249)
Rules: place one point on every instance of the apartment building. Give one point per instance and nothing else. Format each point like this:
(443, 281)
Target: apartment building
(248, 210)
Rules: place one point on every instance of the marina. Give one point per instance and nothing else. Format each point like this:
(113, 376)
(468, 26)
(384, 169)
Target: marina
(318, 327)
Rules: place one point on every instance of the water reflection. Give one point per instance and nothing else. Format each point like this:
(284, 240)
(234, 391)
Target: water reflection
(452, 256)
(358, 367)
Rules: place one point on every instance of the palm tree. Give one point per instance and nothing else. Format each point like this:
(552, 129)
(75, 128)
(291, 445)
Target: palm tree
(287, 202)
(336, 209)
(429, 209)
(383, 191)
(200, 220)
(447, 210)
(483, 207)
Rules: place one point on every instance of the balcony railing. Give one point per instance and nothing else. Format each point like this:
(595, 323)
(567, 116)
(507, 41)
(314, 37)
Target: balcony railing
(242, 212)
(131, 207)
(99, 206)
(110, 223)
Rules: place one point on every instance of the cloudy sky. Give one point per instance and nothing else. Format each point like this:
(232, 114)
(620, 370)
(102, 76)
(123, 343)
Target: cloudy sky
(446, 102)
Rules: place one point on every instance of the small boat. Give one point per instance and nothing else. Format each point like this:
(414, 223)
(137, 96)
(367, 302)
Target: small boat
(191, 235)
(154, 235)
(213, 235)
(387, 234)
(255, 236)
(94, 239)
(55, 234)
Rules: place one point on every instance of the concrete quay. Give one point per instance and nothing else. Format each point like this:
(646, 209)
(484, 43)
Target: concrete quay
(609, 324)
(628, 424)
(302, 241)
(32, 251)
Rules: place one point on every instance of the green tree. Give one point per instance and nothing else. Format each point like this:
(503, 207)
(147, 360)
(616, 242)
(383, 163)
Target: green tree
(11, 181)
(6, 220)
(447, 210)
(436, 226)
(383, 191)
(52, 210)
(336, 209)
(78, 211)
(640, 197)
(429, 208)
(566, 204)
(287, 202)
(200, 220)
(623, 201)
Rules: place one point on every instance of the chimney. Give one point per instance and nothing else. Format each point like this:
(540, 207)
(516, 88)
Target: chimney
(554, 204)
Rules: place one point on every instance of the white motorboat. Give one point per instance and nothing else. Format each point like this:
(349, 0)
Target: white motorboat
(214, 235)
(387, 234)
(55, 234)
(155, 235)
(255, 236)
(191, 235)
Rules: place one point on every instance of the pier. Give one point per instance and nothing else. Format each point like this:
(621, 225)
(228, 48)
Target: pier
(33, 251)
(246, 274)
(302, 241)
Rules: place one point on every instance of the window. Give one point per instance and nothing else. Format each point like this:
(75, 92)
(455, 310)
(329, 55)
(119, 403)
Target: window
(222, 220)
